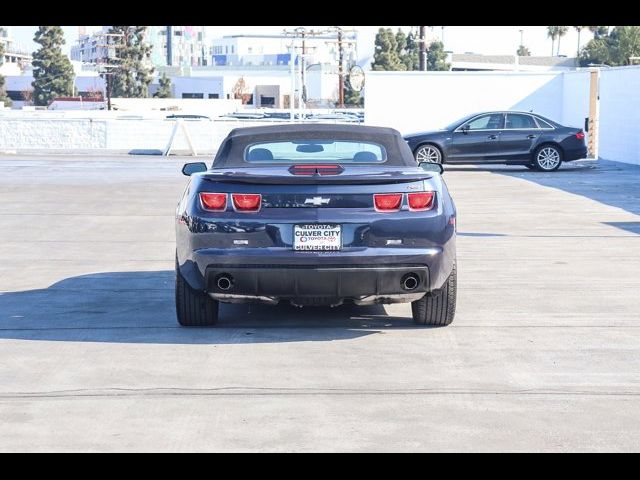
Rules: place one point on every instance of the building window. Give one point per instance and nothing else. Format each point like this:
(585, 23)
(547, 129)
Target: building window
(193, 95)
(199, 36)
(232, 49)
(214, 95)
(226, 49)
(178, 33)
(267, 101)
(250, 50)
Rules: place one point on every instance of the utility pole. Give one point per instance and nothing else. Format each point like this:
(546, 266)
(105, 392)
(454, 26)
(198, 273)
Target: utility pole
(340, 70)
(340, 41)
(169, 45)
(105, 61)
(423, 49)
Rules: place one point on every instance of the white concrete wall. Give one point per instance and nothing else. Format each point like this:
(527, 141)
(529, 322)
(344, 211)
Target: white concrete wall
(620, 114)
(51, 131)
(416, 101)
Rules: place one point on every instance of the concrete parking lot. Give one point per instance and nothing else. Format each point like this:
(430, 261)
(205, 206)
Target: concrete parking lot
(544, 354)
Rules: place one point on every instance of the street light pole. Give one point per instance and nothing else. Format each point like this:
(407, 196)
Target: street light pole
(423, 50)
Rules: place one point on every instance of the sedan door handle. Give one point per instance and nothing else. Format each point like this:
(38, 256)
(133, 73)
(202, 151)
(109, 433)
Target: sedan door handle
(492, 137)
(531, 136)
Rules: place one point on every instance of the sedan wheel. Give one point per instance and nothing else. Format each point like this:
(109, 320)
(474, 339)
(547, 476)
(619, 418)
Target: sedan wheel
(548, 158)
(428, 153)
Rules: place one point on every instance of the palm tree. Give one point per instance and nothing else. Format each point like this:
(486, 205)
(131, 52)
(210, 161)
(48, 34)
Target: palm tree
(578, 29)
(562, 31)
(552, 32)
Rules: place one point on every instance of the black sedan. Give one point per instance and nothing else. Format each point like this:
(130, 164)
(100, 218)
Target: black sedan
(514, 138)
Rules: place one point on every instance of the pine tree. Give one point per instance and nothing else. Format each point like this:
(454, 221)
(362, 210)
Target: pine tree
(3, 94)
(133, 75)
(52, 71)
(165, 87)
(385, 56)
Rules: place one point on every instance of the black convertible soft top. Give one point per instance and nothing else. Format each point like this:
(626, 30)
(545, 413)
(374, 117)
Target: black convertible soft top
(231, 151)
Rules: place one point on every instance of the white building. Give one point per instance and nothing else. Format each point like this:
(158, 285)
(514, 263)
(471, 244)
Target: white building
(178, 46)
(170, 45)
(16, 58)
(19, 87)
(274, 50)
(264, 86)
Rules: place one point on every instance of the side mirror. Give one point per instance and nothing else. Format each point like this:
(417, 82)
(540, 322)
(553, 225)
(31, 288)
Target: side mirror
(465, 129)
(189, 169)
(432, 167)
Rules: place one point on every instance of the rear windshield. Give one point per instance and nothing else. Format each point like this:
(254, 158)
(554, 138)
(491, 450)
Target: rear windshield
(300, 151)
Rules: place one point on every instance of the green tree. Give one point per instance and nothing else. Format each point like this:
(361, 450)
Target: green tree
(165, 87)
(52, 71)
(523, 51)
(352, 97)
(3, 94)
(385, 56)
(599, 31)
(437, 57)
(562, 31)
(133, 74)
(411, 56)
(613, 48)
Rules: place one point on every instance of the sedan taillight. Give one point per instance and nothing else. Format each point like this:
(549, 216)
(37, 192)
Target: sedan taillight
(215, 202)
(580, 135)
(387, 202)
(246, 202)
(420, 201)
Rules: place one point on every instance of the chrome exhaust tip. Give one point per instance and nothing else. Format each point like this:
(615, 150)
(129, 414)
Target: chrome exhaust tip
(410, 281)
(225, 282)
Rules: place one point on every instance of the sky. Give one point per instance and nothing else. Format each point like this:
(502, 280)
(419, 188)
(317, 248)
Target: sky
(487, 40)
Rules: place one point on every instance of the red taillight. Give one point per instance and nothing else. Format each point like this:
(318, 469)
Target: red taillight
(246, 202)
(216, 202)
(420, 201)
(580, 135)
(387, 202)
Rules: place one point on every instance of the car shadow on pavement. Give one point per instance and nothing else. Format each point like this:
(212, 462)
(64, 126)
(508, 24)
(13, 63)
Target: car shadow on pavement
(607, 182)
(138, 307)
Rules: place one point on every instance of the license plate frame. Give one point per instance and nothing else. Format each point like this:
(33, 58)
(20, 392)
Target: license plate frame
(312, 242)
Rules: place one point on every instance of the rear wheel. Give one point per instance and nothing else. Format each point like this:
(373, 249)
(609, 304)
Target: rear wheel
(193, 308)
(547, 158)
(428, 153)
(437, 308)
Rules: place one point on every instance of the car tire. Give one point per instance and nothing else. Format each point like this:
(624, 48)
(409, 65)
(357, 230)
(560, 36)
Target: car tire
(428, 153)
(439, 307)
(547, 158)
(193, 308)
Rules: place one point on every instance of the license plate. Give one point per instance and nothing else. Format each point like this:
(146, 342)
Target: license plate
(317, 237)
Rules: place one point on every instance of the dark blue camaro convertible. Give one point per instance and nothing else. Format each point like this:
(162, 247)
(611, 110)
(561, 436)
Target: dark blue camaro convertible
(315, 215)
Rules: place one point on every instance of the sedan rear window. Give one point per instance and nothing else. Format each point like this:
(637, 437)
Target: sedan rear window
(330, 151)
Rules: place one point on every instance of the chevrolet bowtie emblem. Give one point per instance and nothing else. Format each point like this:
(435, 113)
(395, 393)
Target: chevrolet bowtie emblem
(317, 201)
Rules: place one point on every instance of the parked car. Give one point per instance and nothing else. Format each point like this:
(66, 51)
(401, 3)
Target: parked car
(315, 214)
(515, 138)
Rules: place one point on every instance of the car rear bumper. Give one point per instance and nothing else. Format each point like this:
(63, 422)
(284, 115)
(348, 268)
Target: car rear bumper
(364, 275)
(574, 153)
